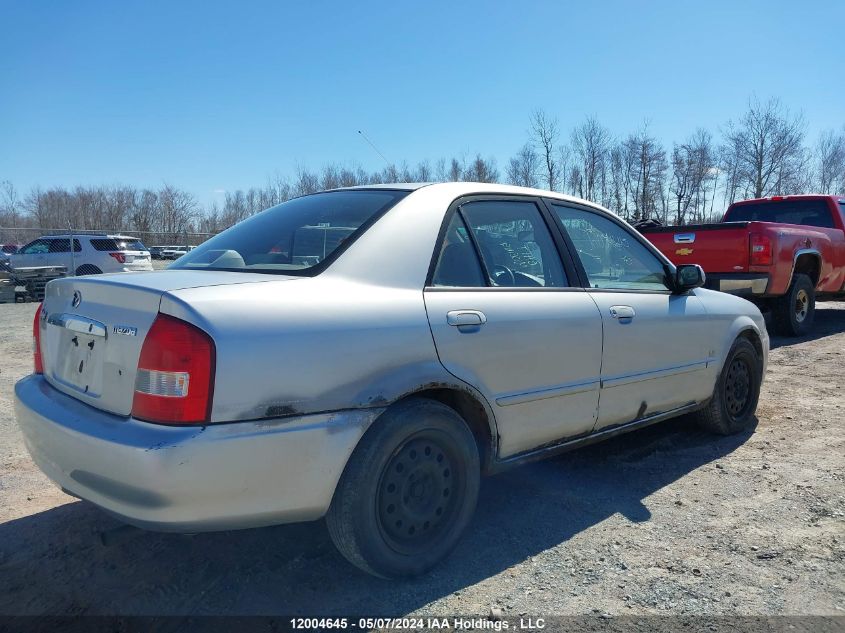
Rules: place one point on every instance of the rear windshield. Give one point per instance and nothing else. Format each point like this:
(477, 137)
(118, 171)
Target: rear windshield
(297, 237)
(806, 212)
(117, 244)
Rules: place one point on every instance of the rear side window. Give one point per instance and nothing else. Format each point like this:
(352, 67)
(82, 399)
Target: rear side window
(805, 212)
(296, 237)
(106, 244)
(498, 243)
(111, 244)
(514, 243)
(458, 264)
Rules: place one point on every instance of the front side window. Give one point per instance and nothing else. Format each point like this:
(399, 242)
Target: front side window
(37, 247)
(612, 257)
(294, 237)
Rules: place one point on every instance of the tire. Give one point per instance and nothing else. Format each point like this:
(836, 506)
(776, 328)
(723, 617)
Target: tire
(88, 269)
(794, 312)
(408, 492)
(731, 409)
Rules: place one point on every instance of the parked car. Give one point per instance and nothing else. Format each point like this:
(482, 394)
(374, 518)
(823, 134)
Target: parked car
(92, 254)
(783, 253)
(156, 251)
(459, 329)
(6, 252)
(175, 252)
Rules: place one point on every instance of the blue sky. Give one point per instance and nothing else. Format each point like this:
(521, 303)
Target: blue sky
(214, 96)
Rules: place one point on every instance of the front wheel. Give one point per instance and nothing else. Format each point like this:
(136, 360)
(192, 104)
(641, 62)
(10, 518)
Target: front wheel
(794, 312)
(731, 409)
(408, 491)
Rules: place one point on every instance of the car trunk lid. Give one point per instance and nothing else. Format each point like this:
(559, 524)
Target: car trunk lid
(93, 328)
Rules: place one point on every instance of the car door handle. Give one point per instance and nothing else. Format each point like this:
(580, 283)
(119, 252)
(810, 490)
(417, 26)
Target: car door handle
(465, 317)
(622, 312)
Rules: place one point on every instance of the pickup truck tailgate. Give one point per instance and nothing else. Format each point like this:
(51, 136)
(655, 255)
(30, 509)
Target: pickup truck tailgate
(718, 248)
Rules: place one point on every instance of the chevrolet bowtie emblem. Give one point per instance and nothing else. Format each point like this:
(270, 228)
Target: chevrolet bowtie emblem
(683, 251)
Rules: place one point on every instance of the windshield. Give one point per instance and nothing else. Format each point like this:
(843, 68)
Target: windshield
(297, 237)
(804, 212)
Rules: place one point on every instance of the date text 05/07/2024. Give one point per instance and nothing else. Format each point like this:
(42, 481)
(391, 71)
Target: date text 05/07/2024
(523, 623)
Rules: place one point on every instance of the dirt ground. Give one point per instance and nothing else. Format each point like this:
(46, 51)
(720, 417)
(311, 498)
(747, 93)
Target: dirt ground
(667, 520)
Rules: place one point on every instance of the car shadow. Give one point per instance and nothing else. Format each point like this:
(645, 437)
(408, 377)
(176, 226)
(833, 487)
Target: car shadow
(828, 321)
(53, 563)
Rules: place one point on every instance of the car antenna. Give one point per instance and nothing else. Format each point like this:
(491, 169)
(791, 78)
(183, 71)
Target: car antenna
(370, 143)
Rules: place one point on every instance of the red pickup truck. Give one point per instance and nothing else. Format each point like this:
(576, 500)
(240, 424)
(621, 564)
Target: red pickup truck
(782, 253)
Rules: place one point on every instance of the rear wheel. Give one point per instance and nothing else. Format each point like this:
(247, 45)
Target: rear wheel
(408, 491)
(794, 312)
(88, 269)
(731, 409)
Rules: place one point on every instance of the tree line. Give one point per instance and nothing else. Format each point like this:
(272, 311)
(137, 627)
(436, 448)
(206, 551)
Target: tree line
(764, 152)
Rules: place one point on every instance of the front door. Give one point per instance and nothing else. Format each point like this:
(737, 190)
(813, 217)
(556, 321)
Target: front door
(655, 342)
(506, 320)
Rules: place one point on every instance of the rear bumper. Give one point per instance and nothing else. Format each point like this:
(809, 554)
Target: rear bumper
(188, 479)
(741, 284)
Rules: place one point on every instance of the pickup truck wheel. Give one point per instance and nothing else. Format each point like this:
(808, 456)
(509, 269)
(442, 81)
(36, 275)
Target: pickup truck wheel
(408, 491)
(731, 409)
(794, 312)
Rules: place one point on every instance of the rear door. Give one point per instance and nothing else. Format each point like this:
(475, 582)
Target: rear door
(506, 319)
(656, 344)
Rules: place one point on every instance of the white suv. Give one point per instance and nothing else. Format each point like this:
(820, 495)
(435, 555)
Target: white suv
(92, 254)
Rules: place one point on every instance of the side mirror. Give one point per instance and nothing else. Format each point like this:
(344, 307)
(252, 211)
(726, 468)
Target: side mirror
(689, 276)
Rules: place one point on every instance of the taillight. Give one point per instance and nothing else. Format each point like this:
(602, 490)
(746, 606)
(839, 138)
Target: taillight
(120, 257)
(36, 341)
(175, 379)
(761, 250)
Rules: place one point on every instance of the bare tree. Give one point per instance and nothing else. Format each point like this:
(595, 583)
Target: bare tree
(830, 162)
(423, 172)
(544, 133)
(694, 169)
(591, 148)
(648, 158)
(522, 168)
(765, 149)
(481, 170)
(455, 172)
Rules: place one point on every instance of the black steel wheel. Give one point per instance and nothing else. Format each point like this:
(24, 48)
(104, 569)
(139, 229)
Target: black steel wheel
(416, 496)
(408, 491)
(738, 387)
(731, 408)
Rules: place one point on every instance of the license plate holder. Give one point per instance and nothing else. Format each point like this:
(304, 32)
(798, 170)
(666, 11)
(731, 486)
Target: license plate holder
(81, 365)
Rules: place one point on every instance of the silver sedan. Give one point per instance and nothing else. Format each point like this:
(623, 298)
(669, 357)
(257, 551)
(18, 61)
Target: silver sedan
(365, 355)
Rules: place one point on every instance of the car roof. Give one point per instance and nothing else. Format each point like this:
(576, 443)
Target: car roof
(796, 196)
(462, 188)
(76, 235)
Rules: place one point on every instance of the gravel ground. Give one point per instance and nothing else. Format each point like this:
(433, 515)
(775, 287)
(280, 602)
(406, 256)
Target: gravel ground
(666, 520)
